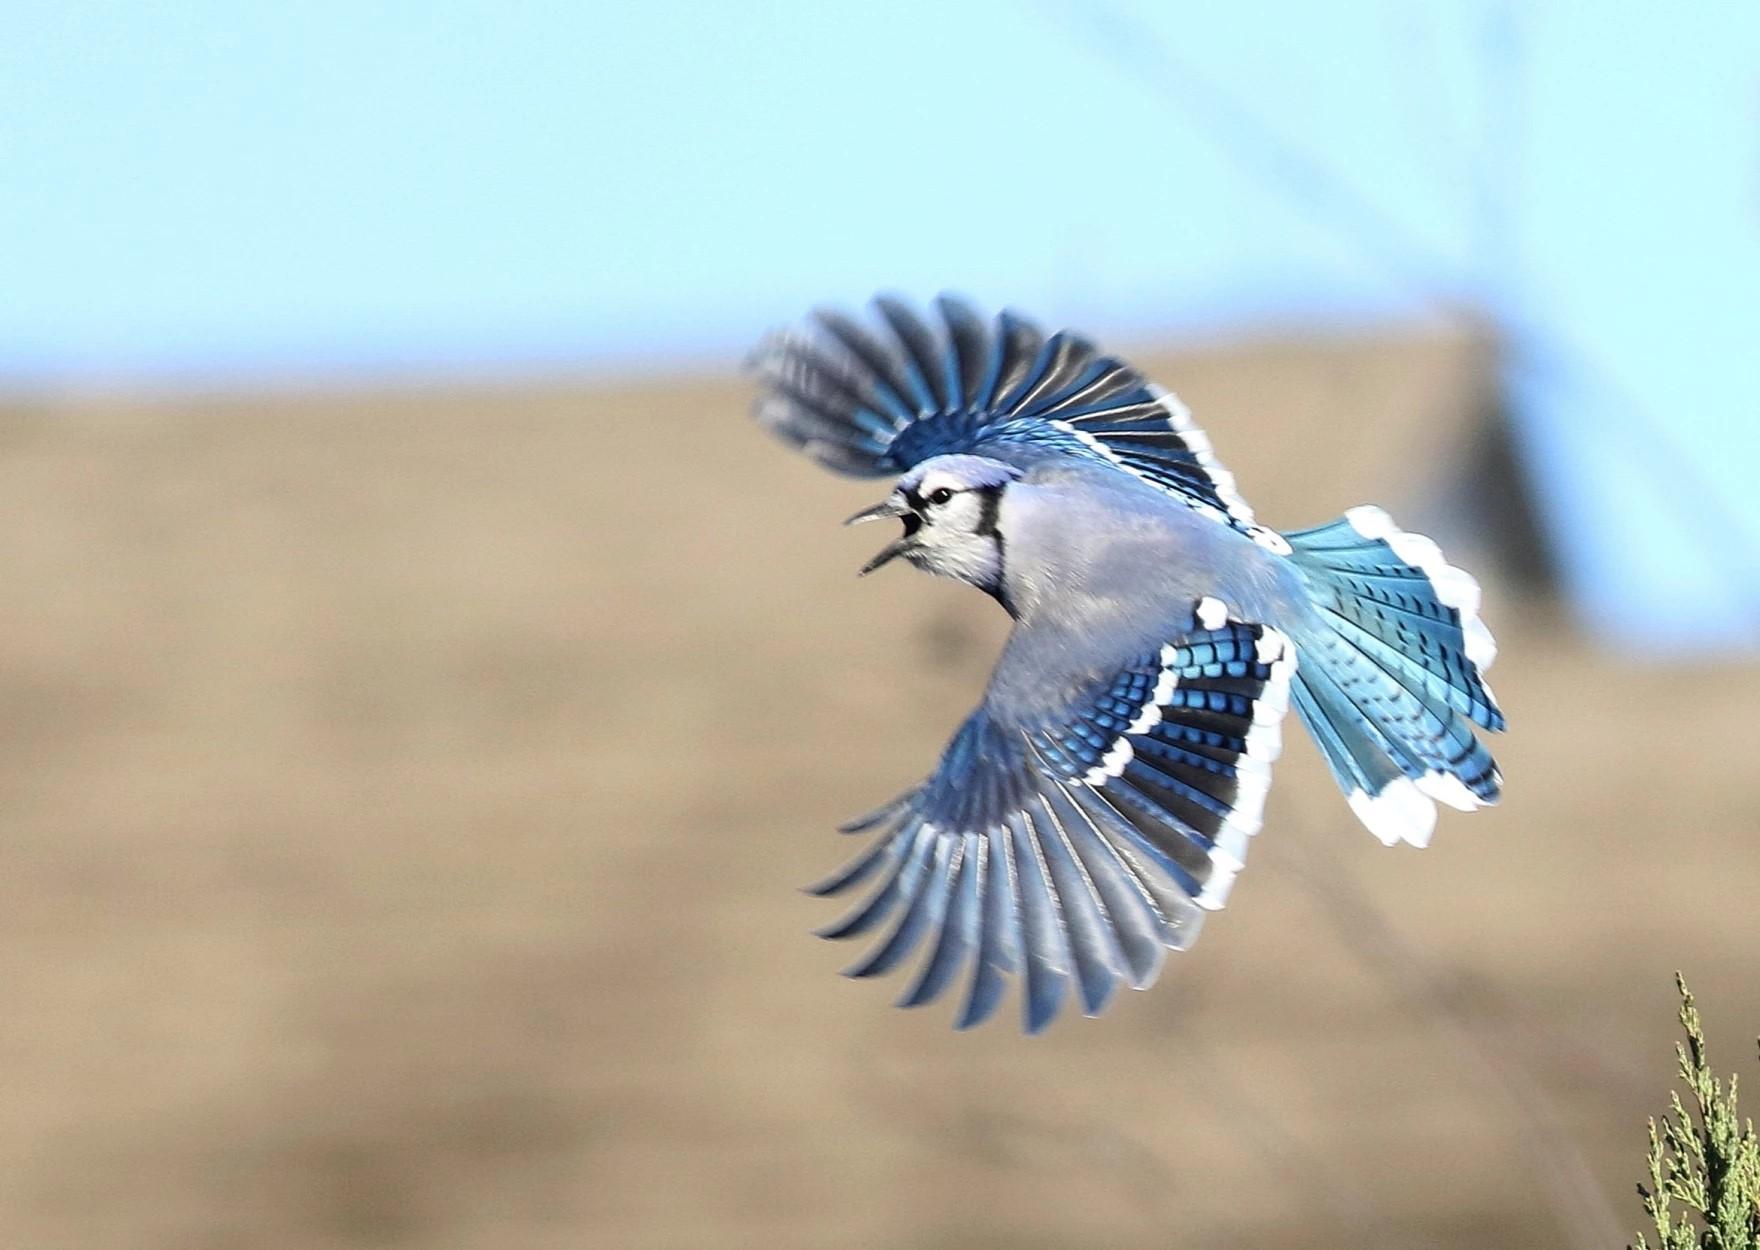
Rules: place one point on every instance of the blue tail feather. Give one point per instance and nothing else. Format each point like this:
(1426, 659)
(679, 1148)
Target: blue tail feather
(1391, 679)
(1355, 754)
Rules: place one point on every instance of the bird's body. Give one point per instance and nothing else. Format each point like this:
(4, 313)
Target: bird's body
(1101, 796)
(1121, 555)
(1101, 565)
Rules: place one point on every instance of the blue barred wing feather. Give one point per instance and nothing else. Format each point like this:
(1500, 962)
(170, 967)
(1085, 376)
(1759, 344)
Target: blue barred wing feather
(873, 400)
(1072, 851)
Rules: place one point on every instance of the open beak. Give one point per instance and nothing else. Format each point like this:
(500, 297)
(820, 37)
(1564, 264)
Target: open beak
(893, 505)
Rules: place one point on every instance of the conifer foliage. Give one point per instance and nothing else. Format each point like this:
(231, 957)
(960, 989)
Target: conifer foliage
(1704, 1190)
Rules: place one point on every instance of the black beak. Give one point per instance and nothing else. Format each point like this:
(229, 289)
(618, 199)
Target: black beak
(893, 505)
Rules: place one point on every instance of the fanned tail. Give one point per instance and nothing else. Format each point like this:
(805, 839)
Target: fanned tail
(1392, 683)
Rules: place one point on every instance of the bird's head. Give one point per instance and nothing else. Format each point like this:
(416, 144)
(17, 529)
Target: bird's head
(949, 506)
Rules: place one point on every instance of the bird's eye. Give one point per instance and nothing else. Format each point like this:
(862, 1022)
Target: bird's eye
(940, 496)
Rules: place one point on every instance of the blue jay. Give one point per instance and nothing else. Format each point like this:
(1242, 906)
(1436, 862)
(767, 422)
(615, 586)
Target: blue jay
(1100, 799)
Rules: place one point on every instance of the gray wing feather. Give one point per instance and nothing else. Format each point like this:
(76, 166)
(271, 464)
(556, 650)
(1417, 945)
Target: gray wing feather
(1098, 961)
(1133, 921)
(1178, 917)
(959, 928)
(913, 843)
(924, 914)
(999, 942)
(1045, 945)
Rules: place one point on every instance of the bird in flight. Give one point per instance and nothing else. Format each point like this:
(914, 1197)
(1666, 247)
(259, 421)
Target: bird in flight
(1100, 798)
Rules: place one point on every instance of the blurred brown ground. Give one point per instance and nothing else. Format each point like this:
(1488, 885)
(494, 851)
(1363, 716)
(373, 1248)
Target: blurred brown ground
(405, 796)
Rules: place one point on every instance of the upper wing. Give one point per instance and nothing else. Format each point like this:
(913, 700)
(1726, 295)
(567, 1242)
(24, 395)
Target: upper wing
(875, 402)
(1081, 843)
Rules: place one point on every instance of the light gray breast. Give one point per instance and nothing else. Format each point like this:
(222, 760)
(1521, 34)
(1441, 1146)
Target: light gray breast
(1100, 569)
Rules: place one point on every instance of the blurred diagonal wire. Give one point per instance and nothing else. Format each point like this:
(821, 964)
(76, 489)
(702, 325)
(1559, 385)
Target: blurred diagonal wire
(1580, 1207)
(1135, 46)
(1549, 352)
(1325, 1187)
(1579, 1204)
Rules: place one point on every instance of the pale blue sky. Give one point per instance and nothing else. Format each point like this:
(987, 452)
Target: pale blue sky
(191, 190)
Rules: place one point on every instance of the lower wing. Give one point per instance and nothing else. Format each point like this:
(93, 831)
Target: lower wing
(1082, 846)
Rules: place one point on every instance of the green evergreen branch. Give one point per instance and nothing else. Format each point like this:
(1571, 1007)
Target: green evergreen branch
(1707, 1164)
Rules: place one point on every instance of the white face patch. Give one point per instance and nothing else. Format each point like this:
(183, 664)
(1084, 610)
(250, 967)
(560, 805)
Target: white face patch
(956, 538)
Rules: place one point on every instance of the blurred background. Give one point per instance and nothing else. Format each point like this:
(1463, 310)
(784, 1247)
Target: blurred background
(423, 688)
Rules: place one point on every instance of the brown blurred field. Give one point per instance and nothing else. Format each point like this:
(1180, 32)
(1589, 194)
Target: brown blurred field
(405, 795)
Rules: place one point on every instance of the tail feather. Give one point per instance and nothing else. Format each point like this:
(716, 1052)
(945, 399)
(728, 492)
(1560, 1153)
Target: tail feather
(1442, 673)
(1354, 755)
(1391, 679)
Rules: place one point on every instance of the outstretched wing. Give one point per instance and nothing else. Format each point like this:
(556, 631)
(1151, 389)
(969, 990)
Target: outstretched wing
(873, 402)
(1082, 844)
